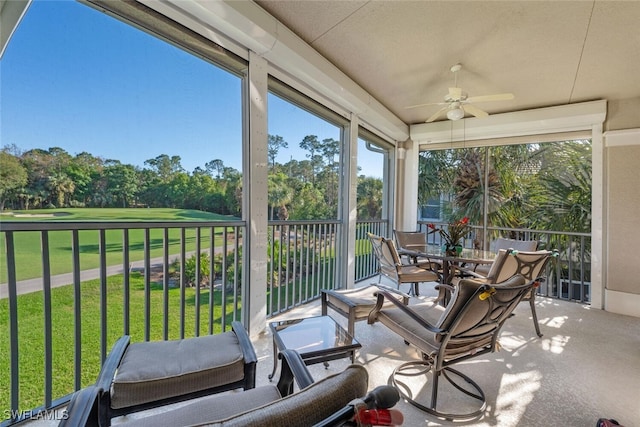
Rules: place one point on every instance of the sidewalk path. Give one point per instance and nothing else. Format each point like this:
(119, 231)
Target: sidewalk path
(35, 285)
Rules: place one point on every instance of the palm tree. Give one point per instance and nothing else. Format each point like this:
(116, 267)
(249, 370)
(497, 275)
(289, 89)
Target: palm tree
(280, 193)
(562, 194)
(369, 199)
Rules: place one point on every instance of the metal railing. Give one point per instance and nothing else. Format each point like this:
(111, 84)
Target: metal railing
(302, 260)
(301, 256)
(140, 279)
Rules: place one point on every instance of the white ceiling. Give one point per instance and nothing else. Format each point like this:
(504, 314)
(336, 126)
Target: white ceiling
(545, 52)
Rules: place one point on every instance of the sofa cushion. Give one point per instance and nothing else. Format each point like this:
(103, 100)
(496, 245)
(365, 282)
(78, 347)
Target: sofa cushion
(308, 406)
(151, 371)
(213, 407)
(263, 407)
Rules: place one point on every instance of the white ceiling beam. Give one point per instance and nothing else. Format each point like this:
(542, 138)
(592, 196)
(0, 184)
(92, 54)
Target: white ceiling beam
(562, 118)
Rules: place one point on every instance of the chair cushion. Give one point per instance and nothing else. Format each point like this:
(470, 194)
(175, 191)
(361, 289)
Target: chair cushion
(403, 325)
(464, 290)
(213, 407)
(308, 406)
(150, 371)
(412, 273)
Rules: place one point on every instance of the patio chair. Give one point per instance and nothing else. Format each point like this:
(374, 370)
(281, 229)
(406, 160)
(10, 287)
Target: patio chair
(467, 328)
(144, 375)
(504, 243)
(406, 238)
(391, 266)
(332, 398)
(509, 262)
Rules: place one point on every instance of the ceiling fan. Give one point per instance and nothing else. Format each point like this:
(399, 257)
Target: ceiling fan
(457, 103)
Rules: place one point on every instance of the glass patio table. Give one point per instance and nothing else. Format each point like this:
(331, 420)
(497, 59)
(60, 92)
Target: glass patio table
(467, 256)
(316, 339)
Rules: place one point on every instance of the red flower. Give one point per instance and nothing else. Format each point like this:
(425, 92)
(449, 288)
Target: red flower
(455, 231)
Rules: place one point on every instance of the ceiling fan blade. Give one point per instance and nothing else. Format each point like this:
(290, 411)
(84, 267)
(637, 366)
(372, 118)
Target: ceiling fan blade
(436, 115)
(424, 105)
(486, 98)
(472, 109)
(455, 93)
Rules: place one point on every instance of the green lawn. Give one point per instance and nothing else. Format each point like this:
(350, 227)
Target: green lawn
(31, 332)
(28, 246)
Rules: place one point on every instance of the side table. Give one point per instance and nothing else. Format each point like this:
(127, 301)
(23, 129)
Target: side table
(317, 339)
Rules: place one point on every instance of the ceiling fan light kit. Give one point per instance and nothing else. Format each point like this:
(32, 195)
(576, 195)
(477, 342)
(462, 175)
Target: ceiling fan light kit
(457, 103)
(455, 113)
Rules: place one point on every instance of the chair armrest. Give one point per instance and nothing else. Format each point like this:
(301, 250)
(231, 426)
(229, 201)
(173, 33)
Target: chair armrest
(383, 295)
(249, 354)
(293, 368)
(405, 297)
(111, 363)
(448, 287)
(106, 375)
(337, 295)
(82, 410)
(245, 342)
(429, 265)
(346, 300)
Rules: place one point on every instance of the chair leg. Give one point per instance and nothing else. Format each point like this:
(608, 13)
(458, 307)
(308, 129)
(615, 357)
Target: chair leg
(324, 297)
(411, 292)
(532, 303)
(415, 368)
(351, 330)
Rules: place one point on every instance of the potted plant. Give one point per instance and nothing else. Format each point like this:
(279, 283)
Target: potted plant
(453, 235)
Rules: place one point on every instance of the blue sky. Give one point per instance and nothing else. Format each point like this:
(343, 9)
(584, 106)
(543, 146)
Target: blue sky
(74, 78)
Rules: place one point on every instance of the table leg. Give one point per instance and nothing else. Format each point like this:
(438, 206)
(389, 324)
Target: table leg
(446, 272)
(446, 278)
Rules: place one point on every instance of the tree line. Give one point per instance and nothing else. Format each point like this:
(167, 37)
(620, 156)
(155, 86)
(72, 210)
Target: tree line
(297, 189)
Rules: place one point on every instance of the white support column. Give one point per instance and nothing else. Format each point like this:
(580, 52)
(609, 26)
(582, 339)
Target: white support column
(254, 296)
(407, 186)
(349, 209)
(597, 217)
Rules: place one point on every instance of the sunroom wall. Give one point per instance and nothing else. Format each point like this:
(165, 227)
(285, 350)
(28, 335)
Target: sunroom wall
(622, 291)
(621, 202)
